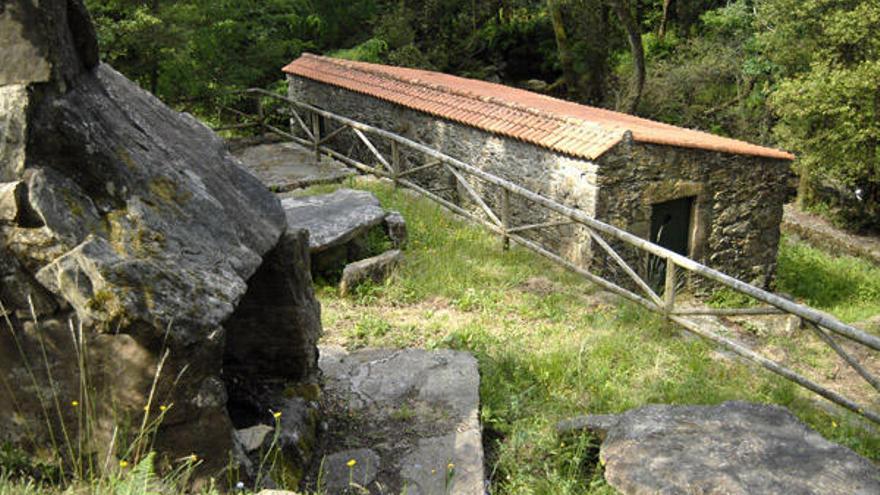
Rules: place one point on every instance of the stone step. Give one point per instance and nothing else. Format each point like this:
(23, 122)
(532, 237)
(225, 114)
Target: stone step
(333, 219)
(287, 166)
(400, 421)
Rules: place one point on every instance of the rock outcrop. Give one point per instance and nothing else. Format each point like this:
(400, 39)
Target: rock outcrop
(123, 215)
(374, 269)
(416, 415)
(733, 448)
(342, 228)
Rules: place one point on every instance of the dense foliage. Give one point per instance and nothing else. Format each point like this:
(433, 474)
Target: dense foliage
(798, 74)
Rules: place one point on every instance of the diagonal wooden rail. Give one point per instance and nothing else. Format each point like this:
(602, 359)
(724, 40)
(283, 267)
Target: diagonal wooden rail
(824, 324)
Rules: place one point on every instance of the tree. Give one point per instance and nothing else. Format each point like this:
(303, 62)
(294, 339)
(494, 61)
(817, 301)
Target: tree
(828, 99)
(563, 49)
(634, 36)
(134, 37)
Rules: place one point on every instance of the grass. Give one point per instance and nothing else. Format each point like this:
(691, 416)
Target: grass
(79, 461)
(550, 347)
(844, 286)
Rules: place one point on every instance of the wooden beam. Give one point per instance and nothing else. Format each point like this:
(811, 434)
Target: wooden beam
(669, 289)
(395, 161)
(851, 361)
(333, 134)
(626, 268)
(474, 195)
(534, 226)
(764, 310)
(372, 149)
(430, 164)
(316, 136)
(505, 219)
(302, 124)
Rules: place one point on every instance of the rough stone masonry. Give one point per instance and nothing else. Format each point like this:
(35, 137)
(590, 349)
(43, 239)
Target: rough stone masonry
(131, 219)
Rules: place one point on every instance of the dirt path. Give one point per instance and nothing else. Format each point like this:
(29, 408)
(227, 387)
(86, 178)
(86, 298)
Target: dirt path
(822, 234)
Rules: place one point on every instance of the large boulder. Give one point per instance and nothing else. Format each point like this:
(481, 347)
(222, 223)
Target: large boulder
(732, 448)
(131, 219)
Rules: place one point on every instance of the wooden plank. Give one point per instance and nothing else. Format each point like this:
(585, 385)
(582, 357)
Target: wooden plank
(332, 153)
(601, 282)
(689, 324)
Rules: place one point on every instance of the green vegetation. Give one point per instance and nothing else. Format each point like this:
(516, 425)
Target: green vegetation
(550, 347)
(846, 287)
(729, 67)
(78, 456)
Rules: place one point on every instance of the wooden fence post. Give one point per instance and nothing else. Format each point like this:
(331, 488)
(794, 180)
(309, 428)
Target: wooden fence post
(316, 134)
(505, 218)
(669, 291)
(395, 161)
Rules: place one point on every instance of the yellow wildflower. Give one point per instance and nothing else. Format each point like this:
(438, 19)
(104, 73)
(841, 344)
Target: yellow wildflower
(450, 466)
(276, 414)
(351, 463)
(74, 403)
(123, 463)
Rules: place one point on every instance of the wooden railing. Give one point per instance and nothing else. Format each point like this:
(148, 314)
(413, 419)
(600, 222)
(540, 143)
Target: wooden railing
(662, 299)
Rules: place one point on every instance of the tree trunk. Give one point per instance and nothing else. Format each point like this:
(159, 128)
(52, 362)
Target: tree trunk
(154, 58)
(663, 20)
(622, 10)
(562, 48)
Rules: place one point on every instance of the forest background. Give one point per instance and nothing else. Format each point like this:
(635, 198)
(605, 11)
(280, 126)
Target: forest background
(803, 75)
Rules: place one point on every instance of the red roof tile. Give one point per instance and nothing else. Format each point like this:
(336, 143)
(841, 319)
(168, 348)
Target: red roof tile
(559, 125)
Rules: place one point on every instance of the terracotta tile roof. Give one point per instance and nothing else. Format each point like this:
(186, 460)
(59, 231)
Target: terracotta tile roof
(563, 126)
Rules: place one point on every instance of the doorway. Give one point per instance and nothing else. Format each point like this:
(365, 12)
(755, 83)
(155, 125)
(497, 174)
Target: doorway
(671, 224)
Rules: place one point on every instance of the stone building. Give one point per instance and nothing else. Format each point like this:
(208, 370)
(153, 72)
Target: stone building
(714, 199)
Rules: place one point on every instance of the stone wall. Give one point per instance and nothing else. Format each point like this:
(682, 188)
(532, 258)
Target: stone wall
(737, 208)
(738, 199)
(568, 180)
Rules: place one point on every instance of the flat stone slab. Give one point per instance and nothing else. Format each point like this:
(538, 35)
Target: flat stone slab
(374, 269)
(732, 448)
(333, 219)
(418, 410)
(287, 166)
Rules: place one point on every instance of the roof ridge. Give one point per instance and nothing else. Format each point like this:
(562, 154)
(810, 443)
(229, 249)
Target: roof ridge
(563, 120)
(368, 68)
